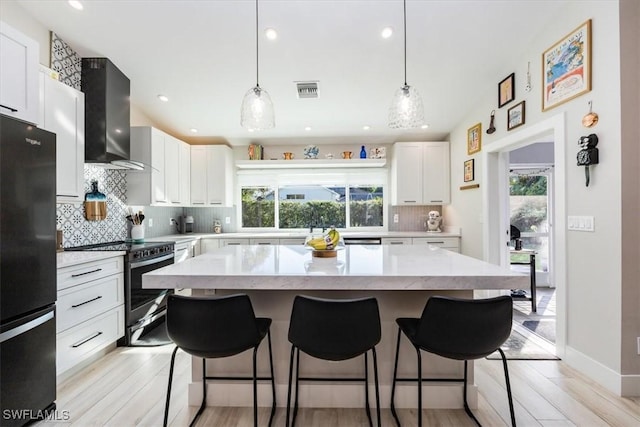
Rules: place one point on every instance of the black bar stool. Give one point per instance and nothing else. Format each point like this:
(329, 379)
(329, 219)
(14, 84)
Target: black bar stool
(461, 329)
(335, 330)
(216, 327)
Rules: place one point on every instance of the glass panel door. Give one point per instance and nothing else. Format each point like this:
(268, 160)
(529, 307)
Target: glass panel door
(530, 212)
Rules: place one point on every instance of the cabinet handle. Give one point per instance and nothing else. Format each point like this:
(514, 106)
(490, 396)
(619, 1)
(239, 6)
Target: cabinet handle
(396, 243)
(87, 302)
(213, 202)
(435, 201)
(197, 203)
(13, 110)
(437, 243)
(97, 334)
(264, 243)
(409, 201)
(87, 272)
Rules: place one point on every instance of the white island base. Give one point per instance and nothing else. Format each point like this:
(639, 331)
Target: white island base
(401, 277)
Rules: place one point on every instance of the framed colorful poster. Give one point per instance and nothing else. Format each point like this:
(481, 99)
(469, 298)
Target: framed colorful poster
(474, 139)
(566, 68)
(468, 170)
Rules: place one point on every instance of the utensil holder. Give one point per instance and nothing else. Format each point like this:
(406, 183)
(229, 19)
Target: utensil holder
(137, 233)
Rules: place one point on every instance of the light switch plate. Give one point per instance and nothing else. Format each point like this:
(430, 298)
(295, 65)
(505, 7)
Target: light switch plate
(396, 218)
(581, 223)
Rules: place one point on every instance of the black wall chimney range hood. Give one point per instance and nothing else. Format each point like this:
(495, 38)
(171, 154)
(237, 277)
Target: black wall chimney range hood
(107, 115)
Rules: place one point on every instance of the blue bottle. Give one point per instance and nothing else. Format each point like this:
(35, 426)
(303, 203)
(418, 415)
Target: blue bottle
(363, 153)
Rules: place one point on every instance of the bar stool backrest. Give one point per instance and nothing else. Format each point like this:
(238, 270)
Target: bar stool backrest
(212, 327)
(464, 329)
(334, 329)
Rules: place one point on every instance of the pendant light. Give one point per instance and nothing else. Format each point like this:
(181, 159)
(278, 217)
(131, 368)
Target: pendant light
(257, 109)
(406, 109)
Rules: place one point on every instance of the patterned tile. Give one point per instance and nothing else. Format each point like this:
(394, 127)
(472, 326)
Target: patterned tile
(70, 218)
(66, 62)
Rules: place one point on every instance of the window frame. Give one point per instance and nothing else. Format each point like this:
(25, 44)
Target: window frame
(276, 178)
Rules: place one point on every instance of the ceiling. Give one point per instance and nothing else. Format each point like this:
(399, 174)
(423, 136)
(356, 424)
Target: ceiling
(202, 55)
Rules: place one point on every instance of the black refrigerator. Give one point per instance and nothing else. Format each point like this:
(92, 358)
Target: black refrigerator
(27, 272)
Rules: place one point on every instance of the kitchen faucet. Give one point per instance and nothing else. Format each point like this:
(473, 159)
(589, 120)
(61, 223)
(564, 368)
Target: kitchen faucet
(313, 223)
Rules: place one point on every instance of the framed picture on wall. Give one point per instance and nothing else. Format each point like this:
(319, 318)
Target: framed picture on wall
(474, 139)
(515, 116)
(507, 90)
(469, 170)
(566, 67)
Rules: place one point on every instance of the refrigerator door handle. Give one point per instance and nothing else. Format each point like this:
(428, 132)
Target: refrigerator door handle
(26, 327)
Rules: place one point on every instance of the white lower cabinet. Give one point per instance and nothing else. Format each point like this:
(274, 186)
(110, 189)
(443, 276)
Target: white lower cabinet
(208, 245)
(449, 243)
(89, 310)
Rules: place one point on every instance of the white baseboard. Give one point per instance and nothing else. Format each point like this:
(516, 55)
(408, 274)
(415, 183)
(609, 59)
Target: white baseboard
(434, 396)
(621, 385)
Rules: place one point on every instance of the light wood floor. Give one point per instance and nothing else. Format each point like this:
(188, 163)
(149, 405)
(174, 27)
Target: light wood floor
(127, 388)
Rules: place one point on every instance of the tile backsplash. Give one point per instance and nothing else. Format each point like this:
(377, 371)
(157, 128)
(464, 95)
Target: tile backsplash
(411, 218)
(76, 230)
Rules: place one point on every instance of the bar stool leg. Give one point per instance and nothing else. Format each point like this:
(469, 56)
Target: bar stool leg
(166, 406)
(366, 390)
(204, 393)
(255, 388)
(295, 406)
(273, 380)
(393, 385)
(290, 385)
(419, 387)
(508, 384)
(377, 385)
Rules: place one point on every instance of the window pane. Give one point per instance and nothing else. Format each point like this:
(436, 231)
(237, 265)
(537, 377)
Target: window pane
(529, 203)
(365, 206)
(302, 206)
(258, 207)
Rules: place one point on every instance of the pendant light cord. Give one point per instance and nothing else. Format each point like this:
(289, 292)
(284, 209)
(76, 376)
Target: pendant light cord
(405, 42)
(257, 47)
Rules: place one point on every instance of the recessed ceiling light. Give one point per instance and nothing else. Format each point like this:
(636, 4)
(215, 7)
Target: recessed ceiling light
(307, 128)
(193, 130)
(366, 127)
(76, 4)
(271, 33)
(163, 98)
(250, 130)
(386, 32)
(424, 126)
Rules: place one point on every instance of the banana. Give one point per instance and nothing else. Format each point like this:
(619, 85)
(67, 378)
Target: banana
(326, 242)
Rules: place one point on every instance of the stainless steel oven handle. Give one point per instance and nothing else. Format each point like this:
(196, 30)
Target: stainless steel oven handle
(151, 261)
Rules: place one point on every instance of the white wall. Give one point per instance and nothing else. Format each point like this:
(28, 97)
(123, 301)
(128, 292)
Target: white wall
(594, 282)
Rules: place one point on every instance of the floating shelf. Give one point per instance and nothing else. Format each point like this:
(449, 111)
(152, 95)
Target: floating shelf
(311, 163)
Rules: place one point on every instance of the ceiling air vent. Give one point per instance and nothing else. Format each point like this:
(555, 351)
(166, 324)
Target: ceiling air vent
(307, 89)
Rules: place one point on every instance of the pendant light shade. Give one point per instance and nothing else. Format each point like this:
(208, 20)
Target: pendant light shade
(257, 111)
(406, 109)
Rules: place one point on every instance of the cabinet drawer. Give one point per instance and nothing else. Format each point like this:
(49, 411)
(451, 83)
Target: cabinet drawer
(396, 241)
(442, 242)
(263, 241)
(292, 241)
(82, 273)
(231, 242)
(80, 342)
(80, 303)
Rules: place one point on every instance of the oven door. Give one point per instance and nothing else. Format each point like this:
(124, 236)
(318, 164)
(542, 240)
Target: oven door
(145, 305)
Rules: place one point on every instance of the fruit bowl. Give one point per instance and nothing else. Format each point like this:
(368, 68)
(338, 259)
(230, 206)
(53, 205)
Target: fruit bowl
(327, 253)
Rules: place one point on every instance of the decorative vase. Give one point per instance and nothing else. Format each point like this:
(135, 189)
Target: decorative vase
(363, 153)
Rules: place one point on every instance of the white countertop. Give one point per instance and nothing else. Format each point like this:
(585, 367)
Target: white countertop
(283, 235)
(67, 259)
(375, 267)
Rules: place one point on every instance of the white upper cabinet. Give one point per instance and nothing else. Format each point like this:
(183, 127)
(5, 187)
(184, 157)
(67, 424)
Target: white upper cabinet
(420, 173)
(161, 182)
(185, 174)
(18, 75)
(211, 175)
(62, 112)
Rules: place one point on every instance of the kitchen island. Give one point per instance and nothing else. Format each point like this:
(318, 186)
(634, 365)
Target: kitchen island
(401, 277)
